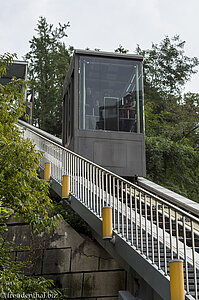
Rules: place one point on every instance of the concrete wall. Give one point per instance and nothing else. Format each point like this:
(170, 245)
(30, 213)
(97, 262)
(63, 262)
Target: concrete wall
(76, 263)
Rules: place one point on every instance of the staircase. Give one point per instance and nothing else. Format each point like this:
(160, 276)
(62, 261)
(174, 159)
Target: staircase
(146, 226)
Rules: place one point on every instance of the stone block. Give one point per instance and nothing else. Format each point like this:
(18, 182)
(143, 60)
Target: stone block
(88, 256)
(71, 284)
(109, 298)
(108, 264)
(92, 248)
(56, 261)
(40, 239)
(63, 236)
(19, 235)
(90, 298)
(15, 220)
(13, 255)
(103, 284)
(82, 262)
(32, 260)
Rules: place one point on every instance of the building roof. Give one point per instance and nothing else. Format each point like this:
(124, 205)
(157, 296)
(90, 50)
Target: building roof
(108, 54)
(18, 69)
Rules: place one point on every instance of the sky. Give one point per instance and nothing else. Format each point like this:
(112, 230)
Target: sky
(103, 24)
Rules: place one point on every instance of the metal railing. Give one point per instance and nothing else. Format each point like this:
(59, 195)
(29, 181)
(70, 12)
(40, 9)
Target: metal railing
(157, 229)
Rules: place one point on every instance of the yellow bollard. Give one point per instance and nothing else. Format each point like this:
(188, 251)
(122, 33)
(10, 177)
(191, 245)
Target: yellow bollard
(176, 279)
(47, 171)
(65, 186)
(107, 222)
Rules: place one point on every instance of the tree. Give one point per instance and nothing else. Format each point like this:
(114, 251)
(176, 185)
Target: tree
(166, 70)
(171, 117)
(22, 193)
(166, 67)
(20, 188)
(191, 119)
(121, 49)
(48, 63)
(174, 165)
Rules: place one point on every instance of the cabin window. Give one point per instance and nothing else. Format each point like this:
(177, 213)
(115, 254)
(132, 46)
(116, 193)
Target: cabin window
(111, 94)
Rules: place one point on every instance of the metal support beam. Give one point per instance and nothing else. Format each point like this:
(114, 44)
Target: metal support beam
(150, 273)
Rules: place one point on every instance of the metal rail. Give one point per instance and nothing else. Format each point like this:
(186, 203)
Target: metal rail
(158, 229)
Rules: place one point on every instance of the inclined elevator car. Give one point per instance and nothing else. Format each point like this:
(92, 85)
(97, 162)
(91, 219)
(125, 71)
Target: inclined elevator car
(103, 110)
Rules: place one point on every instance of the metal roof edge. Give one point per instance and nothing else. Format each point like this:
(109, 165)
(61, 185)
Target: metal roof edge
(108, 54)
(22, 62)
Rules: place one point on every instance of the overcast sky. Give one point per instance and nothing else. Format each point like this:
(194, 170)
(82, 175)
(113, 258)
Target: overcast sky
(103, 24)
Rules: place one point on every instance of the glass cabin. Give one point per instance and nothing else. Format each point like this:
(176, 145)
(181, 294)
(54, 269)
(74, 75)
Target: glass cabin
(111, 96)
(103, 110)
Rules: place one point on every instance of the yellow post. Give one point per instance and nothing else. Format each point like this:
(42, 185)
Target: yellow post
(107, 222)
(176, 279)
(65, 186)
(47, 171)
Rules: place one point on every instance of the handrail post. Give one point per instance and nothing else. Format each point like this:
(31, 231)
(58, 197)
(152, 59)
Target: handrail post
(65, 186)
(107, 224)
(47, 171)
(176, 280)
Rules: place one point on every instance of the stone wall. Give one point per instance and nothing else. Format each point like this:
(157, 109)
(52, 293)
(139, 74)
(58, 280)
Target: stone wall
(76, 263)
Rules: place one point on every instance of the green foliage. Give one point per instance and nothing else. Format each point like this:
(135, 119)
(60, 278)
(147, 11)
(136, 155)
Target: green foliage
(121, 49)
(166, 67)
(21, 192)
(171, 119)
(177, 121)
(12, 280)
(166, 70)
(48, 63)
(5, 61)
(173, 165)
(20, 188)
